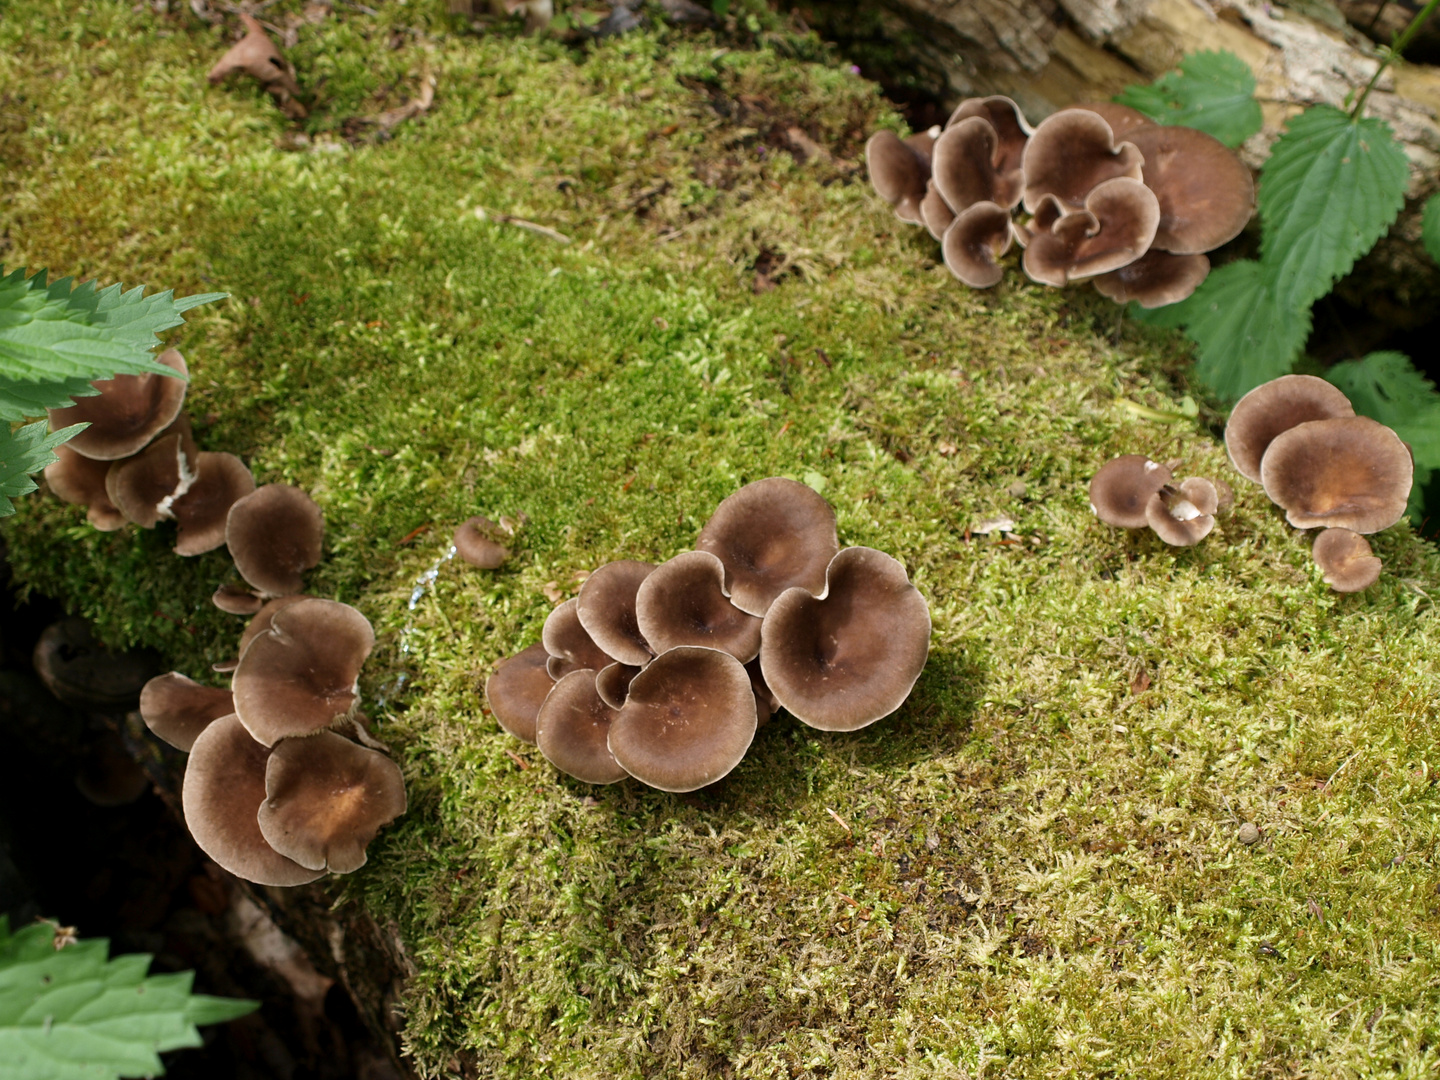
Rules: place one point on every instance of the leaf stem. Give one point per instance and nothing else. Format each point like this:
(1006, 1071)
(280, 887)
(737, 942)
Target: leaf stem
(1394, 52)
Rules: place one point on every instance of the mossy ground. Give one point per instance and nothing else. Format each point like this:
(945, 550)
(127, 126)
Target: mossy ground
(1032, 869)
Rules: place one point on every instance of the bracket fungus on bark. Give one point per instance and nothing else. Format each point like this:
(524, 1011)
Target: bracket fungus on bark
(1113, 229)
(569, 644)
(1070, 154)
(1346, 560)
(605, 607)
(1121, 490)
(475, 542)
(844, 658)
(517, 689)
(80, 481)
(683, 602)
(1273, 408)
(177, 708)
(1347, 472)
(202, 511)
(974, 243)
(572, 728)
(129, 411)
(899, 169)
(274, 535)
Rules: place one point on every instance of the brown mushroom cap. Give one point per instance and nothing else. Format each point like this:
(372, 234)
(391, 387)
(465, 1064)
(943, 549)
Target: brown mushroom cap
(79, 480)
(613, 683)
(263, 617)
(1114, 229)
(1345, 560)
(236, 600)
(771, 535)
(1121, 118)
(1275, 407)
(569, 644)
(1205, 494)
(572, 727)
(300, 675)
(274, 535)
(221, 480)
(144, 488)
(1012, 130)
(129, 411)
(326, 798)
(687, 721)
(1206, 193)
(517, 689)
(1155, 279)
(974, 243)
(846, 658)
(898, 171)
(221, 796)
(1349, 472)
(177, 708)
(1071, 153)
(1176, 519)
(935, 211)
(606, 608)
(965, 167)
(475, 544)
(684, 603)
(1121, 489)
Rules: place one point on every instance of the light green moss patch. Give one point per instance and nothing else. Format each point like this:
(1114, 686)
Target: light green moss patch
(1030, 871)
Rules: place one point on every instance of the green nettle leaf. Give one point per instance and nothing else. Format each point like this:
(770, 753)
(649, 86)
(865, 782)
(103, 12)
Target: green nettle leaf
(1330, 189)
(1385, 386)
(1430, 227)
(21, 399)
(24, 451)
(71, 1014)
(1212, 91)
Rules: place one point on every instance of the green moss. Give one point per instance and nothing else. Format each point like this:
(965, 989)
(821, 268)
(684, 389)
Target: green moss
(1030, 870)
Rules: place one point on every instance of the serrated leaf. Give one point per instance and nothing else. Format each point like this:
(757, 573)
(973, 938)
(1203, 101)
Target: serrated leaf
(1386, 387)
(74, 1015)
(1430, 227)
(1330, 189)
(24, 451)
(1211, 91)
(19, 400)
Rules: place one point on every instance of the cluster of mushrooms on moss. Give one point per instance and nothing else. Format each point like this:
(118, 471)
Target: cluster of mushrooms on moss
(664, 673)
(1133, 492)
(1111, 196)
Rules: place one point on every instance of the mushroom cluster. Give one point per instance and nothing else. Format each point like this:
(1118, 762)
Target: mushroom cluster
(1111, 196)
(1133, 492)
(665, 672)
(283, 783)
(1347, 475)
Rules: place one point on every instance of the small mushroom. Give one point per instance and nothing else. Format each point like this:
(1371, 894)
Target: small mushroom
(1121, 118)
(1114, 229)
(1348, 472)
(300, 675)
(569, 644)
(1012, 132)
(144, 488)
(256, 55)
(844, 659)
(1203, 493)
(683, 602)
(1121, 490)
(80, 671)
(129, 411)
(517, 689)
(1345, 560)
(221, 480)
(771, 535)
(236, 600)
(899, 169)
(572, 727)
(605, 606)
(688, 719)
(1206, 193)
(1177, 519)
(474, 542)
(974, 243)
(221, 796)
(177, 708)
(274, 535)
(613, 683)
(1155, 279)
(1070, 154)
(108, 776)
(1275, 407)
(326, 798)
(966, 167)
(935, 211)
(79, 480)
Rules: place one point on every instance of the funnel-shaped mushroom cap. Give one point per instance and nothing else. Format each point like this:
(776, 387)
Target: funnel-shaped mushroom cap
(570, 646)
(1204, 493)
(606, 607)
(145, 487)
(1072, 153)
(255, 55)
(975, 242)
(77, 479)
(771, 535)
(326, 798)
(1349, 472)
(1345, 559)
(474, 542)
(274, 536)
(1121, 118)
(1206, 193)
(572, 728)
(613, 683)
(177, 708)
(517, 689)
(966, 167)
(850, 656)
(684, 603)
(935, 211)
(1155, 279)
(1275, 407)
(1012, 130)
(1176, 519)
(687, 721)
(221, 796)
(300, 675)
(236, 600)
(221, 480)
(898, 171)
(130, 411)
(1121, 489)
(1113, 230)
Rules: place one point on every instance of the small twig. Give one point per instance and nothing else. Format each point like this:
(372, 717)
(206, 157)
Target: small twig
(839, 821)
(412, 534)
(521, 223)
(517, 759)
(1394, 52)
(1325, 786)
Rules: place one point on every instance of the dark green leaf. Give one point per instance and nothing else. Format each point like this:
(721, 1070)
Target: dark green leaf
(21, 399)
(24, 451)
(1385, 386)
(1212, 91)
(1430, 227)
